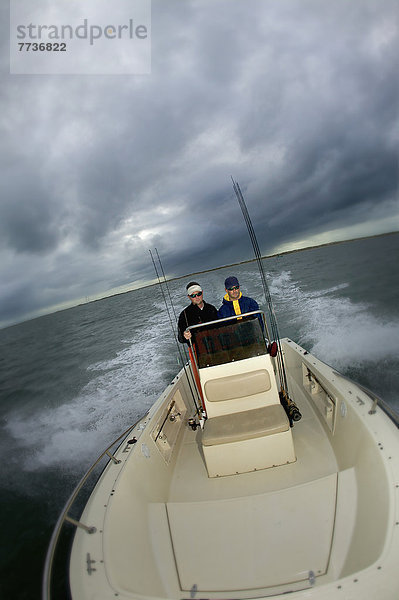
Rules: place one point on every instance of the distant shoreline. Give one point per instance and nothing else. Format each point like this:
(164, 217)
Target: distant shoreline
(250, 260)
(243, 262)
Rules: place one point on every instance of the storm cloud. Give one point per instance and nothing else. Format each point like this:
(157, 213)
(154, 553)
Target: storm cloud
(297, 100)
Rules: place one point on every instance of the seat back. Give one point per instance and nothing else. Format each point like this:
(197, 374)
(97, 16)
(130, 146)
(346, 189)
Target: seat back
(239, 386)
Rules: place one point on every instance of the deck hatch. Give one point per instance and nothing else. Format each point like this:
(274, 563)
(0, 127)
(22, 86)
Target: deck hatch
(247, 543)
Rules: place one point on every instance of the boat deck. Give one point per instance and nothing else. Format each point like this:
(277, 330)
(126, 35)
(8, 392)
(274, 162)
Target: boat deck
(314, 460)
(164, 529)
(238, 528)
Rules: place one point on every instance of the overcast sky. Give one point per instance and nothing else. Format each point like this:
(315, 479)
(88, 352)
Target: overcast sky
(296, 99)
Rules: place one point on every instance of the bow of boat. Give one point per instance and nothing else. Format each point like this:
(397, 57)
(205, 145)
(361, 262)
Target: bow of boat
(315, 513)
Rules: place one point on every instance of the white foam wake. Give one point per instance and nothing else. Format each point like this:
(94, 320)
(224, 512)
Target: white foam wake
(79, 430)
(335, 329)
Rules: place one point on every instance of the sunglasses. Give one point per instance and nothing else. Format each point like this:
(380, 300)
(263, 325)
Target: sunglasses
(235, 287)
(195, 295)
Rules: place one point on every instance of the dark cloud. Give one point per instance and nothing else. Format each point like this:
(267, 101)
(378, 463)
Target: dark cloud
(28, 218)
(298, 100)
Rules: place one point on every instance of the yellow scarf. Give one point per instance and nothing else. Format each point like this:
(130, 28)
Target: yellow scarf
(236, 304)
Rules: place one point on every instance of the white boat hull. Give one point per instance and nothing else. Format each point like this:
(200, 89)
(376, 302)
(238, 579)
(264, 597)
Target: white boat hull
(323, 527)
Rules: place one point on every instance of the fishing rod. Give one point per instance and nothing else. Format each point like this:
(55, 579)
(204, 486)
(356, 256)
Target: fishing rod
(183, 362)
(255, 245)
(166, 285)
(289, 405)
(191, 352)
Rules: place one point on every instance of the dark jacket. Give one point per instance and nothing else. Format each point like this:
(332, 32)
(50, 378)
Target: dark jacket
(246, 305)
(193, 315)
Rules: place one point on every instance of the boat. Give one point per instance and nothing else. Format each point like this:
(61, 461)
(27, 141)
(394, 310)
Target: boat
(220, 492)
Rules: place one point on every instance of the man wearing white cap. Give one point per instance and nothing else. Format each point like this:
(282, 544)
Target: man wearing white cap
(197, 312)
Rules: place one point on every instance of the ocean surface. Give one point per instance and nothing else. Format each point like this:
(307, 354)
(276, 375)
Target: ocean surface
(72, 381)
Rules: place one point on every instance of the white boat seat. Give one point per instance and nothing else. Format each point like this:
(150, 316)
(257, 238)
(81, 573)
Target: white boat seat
(247, 441)
(237, 386)
(245, 425)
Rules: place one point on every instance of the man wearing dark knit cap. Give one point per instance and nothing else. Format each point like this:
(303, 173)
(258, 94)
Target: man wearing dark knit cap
(197, 312)
(234, 303)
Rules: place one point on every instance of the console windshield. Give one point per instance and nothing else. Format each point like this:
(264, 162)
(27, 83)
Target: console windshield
(228, 340)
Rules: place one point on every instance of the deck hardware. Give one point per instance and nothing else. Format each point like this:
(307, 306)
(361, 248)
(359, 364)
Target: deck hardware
(90, 562)
(373, 409)
(392, 414)
(173, 416)
(165, 419)
(312, 578)
(112, 457)
(361, 402)
(129, 443)
(80, 525)
(193, 591)
(193, 424)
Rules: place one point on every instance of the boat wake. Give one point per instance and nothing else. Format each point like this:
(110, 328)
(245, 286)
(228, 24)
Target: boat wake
(334, 328)
(350, 336)
(120, 392)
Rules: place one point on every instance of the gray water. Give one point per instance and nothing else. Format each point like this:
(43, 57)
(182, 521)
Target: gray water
(70, 382)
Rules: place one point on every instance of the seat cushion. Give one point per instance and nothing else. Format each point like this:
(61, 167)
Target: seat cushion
(237, 386)
(245, 425)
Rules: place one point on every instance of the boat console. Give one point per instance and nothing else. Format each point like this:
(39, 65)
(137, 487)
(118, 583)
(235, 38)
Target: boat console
(247, 428)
